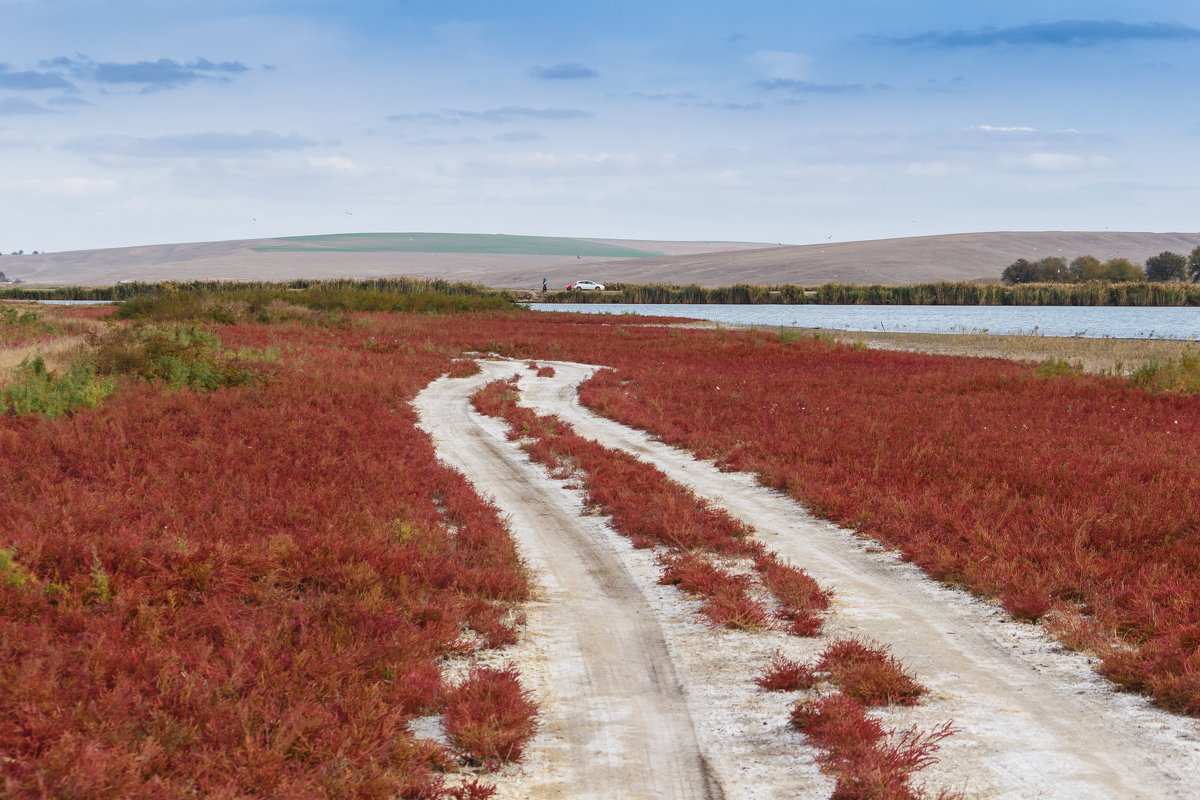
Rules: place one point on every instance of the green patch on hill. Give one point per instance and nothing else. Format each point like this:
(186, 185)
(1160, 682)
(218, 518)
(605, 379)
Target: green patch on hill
(451, 243)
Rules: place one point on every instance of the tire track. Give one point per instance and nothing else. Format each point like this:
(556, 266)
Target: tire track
(1036, 722)
(615, 720)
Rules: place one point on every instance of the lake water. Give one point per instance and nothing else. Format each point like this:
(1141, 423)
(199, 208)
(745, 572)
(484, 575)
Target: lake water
(73, 302)
(1118, 322)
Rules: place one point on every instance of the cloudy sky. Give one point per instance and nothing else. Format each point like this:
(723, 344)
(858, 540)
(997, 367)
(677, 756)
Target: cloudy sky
(126, 122)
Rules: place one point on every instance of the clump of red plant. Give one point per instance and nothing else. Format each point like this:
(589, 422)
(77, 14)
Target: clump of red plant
(865, 761)
(488, 716)
(464, 368)
(786, 675)
(869, 673)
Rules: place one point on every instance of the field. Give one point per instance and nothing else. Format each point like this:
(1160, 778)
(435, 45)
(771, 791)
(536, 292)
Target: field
(452, 243)
(245, 571)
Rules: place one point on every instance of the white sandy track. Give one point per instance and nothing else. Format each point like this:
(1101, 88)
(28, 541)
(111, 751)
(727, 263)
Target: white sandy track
(615, 722)
(1035, 721)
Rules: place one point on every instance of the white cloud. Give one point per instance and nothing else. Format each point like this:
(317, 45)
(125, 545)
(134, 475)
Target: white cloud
(929, 169)
(781, 64)
(555, 164)
(338, 165)
(1055, 162)
(67, 187)
(1002, 128)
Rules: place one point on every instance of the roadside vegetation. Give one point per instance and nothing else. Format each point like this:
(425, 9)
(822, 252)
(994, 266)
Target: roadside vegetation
(244, 571)
(248, 587)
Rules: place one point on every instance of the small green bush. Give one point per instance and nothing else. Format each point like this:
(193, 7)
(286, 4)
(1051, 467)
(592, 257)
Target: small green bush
(39, 391)
(181, 356)
(1171, 376)
(1055, 367)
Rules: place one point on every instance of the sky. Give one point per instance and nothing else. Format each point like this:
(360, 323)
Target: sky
(130, 122)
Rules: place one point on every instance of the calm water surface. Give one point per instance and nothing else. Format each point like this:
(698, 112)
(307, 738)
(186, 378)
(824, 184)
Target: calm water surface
(1123, 322)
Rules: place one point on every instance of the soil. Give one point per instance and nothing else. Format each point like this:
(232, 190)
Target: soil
(639, 699)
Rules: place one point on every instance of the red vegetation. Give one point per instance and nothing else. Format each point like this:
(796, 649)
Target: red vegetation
(489, 717)
(868, 673)
(652, 511)
(866, 762)
(243, 593)
(1029, 489)
(786, 675)
(464, 368)
(864, 767)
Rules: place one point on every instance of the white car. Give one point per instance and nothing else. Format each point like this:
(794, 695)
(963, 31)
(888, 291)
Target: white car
(585, 286)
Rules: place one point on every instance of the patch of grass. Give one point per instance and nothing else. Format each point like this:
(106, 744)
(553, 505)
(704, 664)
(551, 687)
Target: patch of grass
(37, 390)
(18, 325)
(1170, 376)
(1055, 367)
(12, 574)
(181, 356)
(1100, 355)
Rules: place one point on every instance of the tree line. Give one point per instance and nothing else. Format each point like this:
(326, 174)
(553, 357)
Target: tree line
(1166, 266)
(1092, 293)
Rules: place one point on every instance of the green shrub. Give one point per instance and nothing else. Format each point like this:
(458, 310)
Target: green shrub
(1055, 367)
(228, 303)
(39, 391)
(1171, 376)
(181, 356)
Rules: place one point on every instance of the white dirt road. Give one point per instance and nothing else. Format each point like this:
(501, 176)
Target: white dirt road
(640, 701)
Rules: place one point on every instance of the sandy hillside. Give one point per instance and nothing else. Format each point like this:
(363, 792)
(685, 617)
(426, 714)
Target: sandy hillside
(952, 257)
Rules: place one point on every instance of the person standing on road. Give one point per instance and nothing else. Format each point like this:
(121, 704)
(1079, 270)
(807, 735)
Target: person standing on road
(543, 285)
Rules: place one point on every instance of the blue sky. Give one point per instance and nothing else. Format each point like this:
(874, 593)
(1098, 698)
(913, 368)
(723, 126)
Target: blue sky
(125, 123)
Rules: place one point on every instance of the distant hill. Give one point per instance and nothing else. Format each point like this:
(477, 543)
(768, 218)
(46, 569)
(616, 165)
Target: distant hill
(918, 259)
(520, 262)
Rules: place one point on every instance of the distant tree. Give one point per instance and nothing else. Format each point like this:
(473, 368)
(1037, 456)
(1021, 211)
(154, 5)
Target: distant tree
(1086, 268)
(1194, 265)
(1122, 270)
(1052, 269)
(1020, 271)
(1166, 266)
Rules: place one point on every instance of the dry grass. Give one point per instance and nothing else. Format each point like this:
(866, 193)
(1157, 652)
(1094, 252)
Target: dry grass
(1097, 355)
(57, 353)
(1111, 356)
